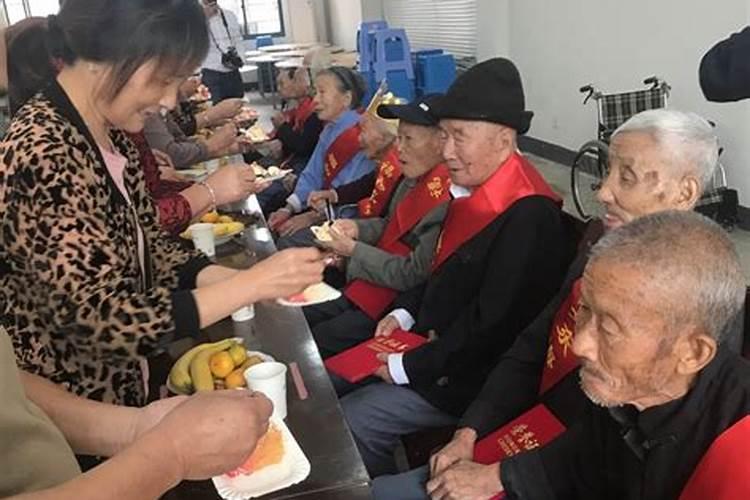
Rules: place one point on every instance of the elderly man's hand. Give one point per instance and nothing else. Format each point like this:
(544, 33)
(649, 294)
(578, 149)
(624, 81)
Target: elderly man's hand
(466, 480)
(150, 415)
(346, 227)
(317, 199)
(278, 119)
(298, 222)
(386, 326)
(461, 447)
(340, 243)
(383, 372)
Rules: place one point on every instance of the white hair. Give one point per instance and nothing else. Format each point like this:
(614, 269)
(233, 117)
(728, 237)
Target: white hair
(689, 137)
(688, 260)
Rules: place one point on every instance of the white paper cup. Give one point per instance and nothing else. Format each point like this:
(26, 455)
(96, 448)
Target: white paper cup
(203, 238)
(270, 379)
(244, 314)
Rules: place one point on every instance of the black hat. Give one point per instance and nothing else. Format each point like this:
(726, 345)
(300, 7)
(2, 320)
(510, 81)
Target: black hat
(490, 91)
(418, 112)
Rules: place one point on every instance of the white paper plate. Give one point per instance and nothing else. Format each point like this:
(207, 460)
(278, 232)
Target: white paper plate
(319, 293)
(193, 173)
(279, 176)
(265, 357)
(293, 468)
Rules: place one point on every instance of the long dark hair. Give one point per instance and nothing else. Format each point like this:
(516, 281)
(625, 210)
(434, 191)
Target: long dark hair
(128, 33)
(29, 65)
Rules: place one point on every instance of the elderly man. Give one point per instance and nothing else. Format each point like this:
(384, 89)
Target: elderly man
(670, 409)
(659, 160)
(377, 142)
(500, 257)
(392, 252)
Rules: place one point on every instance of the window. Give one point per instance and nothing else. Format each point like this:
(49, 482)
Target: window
(430, 24)
(257, 17)
(16, 10)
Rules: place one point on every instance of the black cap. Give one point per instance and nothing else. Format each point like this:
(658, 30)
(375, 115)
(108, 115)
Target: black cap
(418, 112)
(490, 91)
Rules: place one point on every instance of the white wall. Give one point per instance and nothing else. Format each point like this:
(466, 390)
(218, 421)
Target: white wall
(372, 10)
(344, 17)
(301, 21)
(560, 46)
(493, 24)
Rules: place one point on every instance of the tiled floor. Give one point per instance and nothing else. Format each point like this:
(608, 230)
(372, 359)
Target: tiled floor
(557, 175)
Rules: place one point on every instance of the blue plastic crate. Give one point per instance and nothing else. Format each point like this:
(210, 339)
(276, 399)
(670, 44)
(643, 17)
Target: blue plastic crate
(436, 73)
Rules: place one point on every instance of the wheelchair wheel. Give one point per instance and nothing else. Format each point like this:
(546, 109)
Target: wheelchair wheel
(587, 174)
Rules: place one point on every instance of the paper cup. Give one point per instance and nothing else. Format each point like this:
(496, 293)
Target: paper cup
(270, 379)
(244, 314)
(203, 238)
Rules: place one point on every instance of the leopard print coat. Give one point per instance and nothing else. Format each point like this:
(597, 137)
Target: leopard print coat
(79, 307)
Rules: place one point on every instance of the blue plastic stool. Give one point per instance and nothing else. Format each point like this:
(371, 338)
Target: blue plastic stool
(417, 58)
(364, 36)
(392, 53)
(263, 41)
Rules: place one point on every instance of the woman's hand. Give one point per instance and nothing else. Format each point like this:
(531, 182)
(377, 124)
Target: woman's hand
(224, 110)
(278, 119)
(233, 183)
(287, 272)
(222, 141)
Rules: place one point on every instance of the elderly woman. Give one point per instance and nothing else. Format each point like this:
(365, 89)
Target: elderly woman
(90, 285)
(337, 159)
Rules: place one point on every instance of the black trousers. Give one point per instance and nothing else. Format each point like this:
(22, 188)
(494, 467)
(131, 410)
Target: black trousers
(223, 85)
(338, 325)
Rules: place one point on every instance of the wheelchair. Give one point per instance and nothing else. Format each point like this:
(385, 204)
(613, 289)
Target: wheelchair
(589, 167)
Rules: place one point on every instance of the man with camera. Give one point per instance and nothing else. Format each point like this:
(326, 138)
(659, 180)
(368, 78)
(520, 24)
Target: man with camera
(221, 68)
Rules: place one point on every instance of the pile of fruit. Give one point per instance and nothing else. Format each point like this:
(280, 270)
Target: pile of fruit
(207, 367)
(223, 224)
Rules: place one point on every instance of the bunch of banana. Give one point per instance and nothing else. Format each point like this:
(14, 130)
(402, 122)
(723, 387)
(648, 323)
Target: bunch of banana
(209, 366)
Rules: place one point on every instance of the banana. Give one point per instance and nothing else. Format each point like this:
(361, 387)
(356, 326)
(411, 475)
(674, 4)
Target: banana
(179, 375)
(200, 371)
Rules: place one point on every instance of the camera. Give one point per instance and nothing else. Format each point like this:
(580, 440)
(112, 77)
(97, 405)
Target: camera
(231, 59)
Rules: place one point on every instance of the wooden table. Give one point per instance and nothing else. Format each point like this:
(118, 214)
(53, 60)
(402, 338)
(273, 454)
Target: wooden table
(317, 423)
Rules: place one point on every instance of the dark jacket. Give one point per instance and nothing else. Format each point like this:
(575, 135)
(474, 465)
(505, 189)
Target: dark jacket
(482, 297)
(623, 454)
(725, 69)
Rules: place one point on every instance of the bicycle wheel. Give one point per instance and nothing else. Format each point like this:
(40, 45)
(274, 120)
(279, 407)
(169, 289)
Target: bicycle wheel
(587, 173)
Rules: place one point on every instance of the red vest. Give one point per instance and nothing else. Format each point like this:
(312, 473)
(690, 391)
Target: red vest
(431, 190)
(515, 179)
(724, 471)
(389, 175)
(340, 152)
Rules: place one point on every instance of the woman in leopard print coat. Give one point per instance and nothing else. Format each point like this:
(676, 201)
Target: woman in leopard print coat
(89, 285)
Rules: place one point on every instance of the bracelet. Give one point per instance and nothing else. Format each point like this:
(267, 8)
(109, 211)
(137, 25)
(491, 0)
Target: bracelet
(211, 192)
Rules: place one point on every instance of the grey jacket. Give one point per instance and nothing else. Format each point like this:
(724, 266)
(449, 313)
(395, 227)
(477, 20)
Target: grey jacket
(165, 135)
(382, 268)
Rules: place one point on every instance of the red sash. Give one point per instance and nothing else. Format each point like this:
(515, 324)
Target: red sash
(533, 429)
(724, 471)
(299, 115)
(389, 175)
(340, 153)
(515, 179)
(560, 358)
(431, 190)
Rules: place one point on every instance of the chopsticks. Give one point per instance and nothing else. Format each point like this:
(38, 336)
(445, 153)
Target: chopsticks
(329, 213)
(299, 384)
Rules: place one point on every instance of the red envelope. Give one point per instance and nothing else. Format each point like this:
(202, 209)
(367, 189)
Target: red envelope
(361, 361)
(533, 429)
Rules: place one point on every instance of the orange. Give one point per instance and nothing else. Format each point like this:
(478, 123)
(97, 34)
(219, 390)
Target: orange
(210, 217)
(235, 379)
(221, 364)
